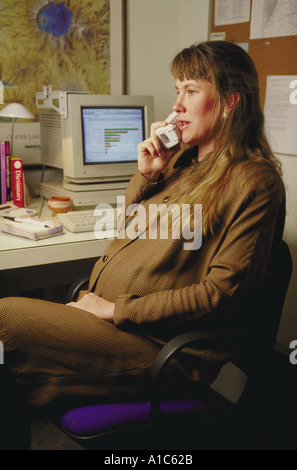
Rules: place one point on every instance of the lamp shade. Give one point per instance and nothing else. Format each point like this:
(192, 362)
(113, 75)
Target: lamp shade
(16, 110)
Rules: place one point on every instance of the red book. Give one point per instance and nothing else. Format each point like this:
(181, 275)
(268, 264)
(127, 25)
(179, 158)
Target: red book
(7, 152)
(3, 196)
(17, 182)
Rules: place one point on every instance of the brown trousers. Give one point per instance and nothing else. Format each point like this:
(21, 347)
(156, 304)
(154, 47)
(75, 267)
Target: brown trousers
(55, 350)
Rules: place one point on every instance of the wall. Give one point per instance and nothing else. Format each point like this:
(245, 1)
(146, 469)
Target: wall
(288, 326)
(156, 30)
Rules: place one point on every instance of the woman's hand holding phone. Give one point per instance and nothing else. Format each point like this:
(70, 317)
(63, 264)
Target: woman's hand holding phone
(153, 157)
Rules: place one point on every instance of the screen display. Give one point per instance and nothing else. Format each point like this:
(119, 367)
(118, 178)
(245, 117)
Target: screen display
(111, 134)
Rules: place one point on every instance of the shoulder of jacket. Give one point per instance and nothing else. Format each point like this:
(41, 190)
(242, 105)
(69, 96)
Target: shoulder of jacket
(251, 178)
(251, 174)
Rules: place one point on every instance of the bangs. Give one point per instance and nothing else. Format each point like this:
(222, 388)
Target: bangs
(189, 64)
(193, 64)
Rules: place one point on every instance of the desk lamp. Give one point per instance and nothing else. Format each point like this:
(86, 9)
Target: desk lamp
(15, 111)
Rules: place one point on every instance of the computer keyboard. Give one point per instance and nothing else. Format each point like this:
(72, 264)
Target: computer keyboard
(85, 220)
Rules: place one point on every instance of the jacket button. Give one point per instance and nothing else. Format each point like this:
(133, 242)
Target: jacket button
(104, 258)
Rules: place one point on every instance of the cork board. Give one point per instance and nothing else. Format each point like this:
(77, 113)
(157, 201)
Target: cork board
(271, 56)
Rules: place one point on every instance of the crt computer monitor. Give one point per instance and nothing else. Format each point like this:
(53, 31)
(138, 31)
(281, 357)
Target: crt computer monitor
(111, 134)
(101, 134)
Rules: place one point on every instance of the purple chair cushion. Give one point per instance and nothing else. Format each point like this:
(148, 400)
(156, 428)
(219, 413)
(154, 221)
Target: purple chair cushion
(87, 420)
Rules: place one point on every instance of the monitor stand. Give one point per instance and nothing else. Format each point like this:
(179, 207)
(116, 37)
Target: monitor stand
(84, 195)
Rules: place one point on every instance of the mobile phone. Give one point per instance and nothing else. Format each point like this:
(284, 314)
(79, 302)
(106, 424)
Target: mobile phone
(169, 135)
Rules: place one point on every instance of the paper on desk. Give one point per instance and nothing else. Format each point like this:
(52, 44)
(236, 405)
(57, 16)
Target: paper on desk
(281, 113)
(25, 229)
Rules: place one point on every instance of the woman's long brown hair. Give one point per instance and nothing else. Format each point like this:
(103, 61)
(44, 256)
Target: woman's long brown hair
(240, 137)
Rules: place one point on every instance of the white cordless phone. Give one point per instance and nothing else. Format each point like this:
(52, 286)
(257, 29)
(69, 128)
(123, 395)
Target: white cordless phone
(169, 135)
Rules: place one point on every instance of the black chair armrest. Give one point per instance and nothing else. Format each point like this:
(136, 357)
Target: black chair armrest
(203, 339)
(199, 339)
(75, 288)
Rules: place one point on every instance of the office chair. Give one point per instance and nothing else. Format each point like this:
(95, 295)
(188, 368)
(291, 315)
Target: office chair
(153, 424)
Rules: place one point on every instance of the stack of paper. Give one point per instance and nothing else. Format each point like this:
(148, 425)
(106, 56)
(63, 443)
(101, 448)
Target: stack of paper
(34, 229)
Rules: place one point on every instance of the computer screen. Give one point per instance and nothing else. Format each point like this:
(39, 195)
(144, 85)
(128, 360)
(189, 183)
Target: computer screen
(101, 134)
(93, 142)
(111, 134)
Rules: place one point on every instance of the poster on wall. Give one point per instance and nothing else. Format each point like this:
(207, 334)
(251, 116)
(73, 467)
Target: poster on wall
(70, 45)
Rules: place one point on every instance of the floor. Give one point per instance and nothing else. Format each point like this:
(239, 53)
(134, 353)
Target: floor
(46, 436)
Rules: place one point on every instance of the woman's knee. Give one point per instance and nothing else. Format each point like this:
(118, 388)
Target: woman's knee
(10, 309)
(13, 320)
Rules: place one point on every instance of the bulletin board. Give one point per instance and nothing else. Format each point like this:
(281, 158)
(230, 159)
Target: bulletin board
(271, 56)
